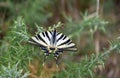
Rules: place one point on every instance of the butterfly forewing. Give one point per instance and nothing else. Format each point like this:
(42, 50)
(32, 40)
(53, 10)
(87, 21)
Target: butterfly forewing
(63, 42)
(39, 39)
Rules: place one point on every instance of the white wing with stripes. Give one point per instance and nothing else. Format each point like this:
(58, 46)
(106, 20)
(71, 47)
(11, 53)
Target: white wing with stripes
(63, 42)
(53, 40)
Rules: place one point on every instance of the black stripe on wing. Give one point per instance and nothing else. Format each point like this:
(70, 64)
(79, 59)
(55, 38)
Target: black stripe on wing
(46, 33)
(72, 48)
(43, 34)
(64, 43)
(37, 44)
(41, 39)
(69, 48)
(54, 34)
(61, 36)
(32, 41)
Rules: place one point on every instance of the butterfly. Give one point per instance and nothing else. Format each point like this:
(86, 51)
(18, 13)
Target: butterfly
(53, 42)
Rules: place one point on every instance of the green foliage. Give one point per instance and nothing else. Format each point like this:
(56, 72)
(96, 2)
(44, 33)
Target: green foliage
(118, 46)
(36, 9)
(85, 68)
(50, 28)
(16, 51)
(13, 48)
(33, 11)
(12, 72)
(89, 23)
(16, 54)
(116, 43)
(59, 24)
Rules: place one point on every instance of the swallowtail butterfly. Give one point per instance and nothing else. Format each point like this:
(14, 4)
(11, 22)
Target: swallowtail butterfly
(52, 42)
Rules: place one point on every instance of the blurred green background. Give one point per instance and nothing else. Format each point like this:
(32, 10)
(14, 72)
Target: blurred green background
(92, 32)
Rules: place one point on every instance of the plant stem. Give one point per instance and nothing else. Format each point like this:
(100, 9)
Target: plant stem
(97, 8)
(97, 34)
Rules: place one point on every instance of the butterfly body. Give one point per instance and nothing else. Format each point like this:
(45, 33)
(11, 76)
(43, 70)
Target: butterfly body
(52, 42)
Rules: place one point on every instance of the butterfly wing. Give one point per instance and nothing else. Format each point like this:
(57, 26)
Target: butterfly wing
(58, 41)
(42, 39)
(64, 43)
